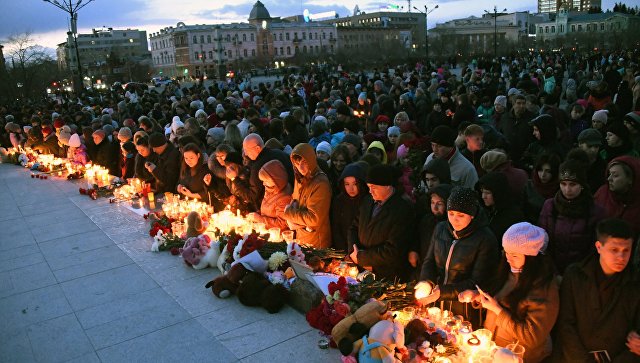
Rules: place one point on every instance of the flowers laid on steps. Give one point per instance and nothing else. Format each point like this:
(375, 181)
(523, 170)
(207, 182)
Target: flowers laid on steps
(333, 308)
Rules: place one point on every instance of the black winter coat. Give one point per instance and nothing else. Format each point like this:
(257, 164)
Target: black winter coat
(167, 170)
(107, 156)
(585, 324)
(383, 240)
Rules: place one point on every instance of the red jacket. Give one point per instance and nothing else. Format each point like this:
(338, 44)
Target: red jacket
(626, 207)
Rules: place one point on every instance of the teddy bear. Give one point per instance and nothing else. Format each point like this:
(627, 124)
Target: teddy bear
(354, 326)
(226, 285)
(380, 345)
(195, 227)
(256, 290)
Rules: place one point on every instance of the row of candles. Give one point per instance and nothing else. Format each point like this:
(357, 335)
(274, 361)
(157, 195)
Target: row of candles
(94, 174)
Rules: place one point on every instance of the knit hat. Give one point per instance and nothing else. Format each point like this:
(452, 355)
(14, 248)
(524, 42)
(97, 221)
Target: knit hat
(216, 133)
(99, 134)
(211, 99)
(513, 92)
(58, 123)
(439, 168)
(130, 123)
(64, 137)
(619, 129)
(353, 139)
(463, 200)
(444, 136)
(201, 112)
(402, 151)
(220, 108)
(492, 159)
(501, 100)
(591, 137)
(600, 115)
(383, 119)
(393, 131)
(12, 127)
(575, 171)
(322, 119)
(382, 174)
(176, 124)
(138, 135)
(157, 139)
(108, 129)
(343, 110)
(526, 239)
(324, 146)
(124, 134)
(74, 140)
(47, 130)
(234, 158)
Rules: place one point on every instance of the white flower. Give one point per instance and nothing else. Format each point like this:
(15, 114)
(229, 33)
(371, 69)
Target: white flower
(237, 249)
(277, 277)
(441, 349)
(276, 260)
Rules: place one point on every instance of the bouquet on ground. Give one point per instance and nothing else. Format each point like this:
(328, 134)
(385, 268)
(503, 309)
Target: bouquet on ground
(333, 308)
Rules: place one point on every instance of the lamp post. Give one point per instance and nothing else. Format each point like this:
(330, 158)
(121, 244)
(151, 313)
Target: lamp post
(71, 8)
(426, 13)
(495, 29)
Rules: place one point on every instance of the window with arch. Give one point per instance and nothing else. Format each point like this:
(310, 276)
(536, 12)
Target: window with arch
(202, 39)
(253, 52)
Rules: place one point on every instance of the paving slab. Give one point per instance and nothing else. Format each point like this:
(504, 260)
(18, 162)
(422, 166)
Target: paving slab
(26, 279)
(59, 339)
(22, 310)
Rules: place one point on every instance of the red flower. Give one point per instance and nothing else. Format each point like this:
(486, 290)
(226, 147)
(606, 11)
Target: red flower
(341, 308)
(344, 294)
(335, 319)
(175, 251)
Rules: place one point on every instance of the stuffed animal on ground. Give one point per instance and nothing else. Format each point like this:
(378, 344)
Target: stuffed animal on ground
(194, 251)
(362, 320)
(256, 290)
(226, 285)
(195, 227)
(381, 343)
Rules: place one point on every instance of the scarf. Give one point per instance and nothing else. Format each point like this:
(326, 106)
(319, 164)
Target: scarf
(574, 208)
(546, 190)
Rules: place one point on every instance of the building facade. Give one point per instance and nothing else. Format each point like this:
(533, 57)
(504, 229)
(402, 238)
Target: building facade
(572, 29)
(553, 6)
(211, 50)
(104, 51)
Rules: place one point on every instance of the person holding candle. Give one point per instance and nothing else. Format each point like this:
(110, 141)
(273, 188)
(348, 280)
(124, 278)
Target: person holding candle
(128, 154)
(526, 304)
(380, 234)
(216, 179)
(192, 172)
(237, 180)
(277, 195)
(308, 213)
(145, 154)
(599, 316)
(166, 168)
(105, 153)
(77, 152)
(463, 253)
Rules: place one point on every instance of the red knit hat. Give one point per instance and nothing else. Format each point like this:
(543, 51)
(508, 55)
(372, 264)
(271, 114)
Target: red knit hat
(383, 119)
(46, 130)
(58, 123)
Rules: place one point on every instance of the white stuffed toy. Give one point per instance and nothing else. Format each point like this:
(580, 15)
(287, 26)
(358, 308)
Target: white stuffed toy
(210, 258)
(295, 252)
(158, 240)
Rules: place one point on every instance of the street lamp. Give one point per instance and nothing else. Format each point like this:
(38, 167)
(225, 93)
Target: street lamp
(426, 13)
(72, 9)
(495, 29)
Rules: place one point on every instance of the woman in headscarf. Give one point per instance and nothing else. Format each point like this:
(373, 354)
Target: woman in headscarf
(191, 183)
(277, 195)
(346, 205)
(543, 185)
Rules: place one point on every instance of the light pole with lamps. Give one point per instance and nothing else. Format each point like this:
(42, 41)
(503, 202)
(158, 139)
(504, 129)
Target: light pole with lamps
(495, 29)
(71, 8)
(426, 13)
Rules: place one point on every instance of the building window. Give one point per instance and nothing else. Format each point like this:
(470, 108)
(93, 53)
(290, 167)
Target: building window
(202, 39)
(245, 53)
(196, 55)
(546, 29)
(253, 52)
(602, 26)
(252, 37)
(287, 36)
(281, 51)
(561, 28)
(324, 35)
(208, 38)
(304, 36)
(228, 37)
(288, 50)
(275, 51)
(230, 54)
(304, 48)
(297, 50)
(573, 28)
(210, 55)
(579, 27)
(195, 40)
(553, 29)
(244, 37)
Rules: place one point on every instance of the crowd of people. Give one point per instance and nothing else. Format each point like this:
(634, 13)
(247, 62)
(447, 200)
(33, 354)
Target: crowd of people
(512, 190)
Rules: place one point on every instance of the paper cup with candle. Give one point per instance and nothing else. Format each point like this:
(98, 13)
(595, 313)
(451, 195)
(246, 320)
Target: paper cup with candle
(423, 289)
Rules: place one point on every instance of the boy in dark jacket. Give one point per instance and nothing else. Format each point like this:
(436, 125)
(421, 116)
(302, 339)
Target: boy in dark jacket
(600, 302)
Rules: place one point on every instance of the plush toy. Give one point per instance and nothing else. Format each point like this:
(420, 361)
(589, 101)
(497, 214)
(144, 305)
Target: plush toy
(256, 290)
(381, 343)
(226, 285)
(195, 227)
(158, 240)
(352, 327)
(195, 252)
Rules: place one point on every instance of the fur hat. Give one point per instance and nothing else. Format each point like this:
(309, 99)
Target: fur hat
(525, 238)
(492, 159)
(157, 139)
(382, 174)
(444, 136)
(74, 140)
(463, 200)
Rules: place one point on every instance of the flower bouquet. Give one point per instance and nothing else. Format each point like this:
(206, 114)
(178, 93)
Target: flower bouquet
(333, 308)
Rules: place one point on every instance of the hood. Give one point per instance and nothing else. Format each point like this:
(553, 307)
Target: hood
(378, 145)
(441, 190)
(547, 127)
(308, 153)
(439, 168)
(495, 182)
(357, 170)
(274, 171)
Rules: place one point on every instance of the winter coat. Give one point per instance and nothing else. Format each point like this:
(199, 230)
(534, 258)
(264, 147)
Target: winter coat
(516, 178)
(256, 188)
(78, 155)
(625, 206)
(459, 264)
(195, 183)
(463, 173)
(571, 238)
(140, 171)
(106, 155)
(344, 208)
(518, 132)
(586, 323)
(167, 170)
(275, 201)
(504, 213)
(309, 213)
(530, 323)
(383, 240)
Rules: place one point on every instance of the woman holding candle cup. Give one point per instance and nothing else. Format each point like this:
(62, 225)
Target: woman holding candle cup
(526, 304)
(277, 195)
(462, 255)
(191, 183)
(145, 154)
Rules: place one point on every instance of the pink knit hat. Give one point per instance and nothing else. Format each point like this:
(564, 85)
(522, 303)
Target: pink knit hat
(525, 238)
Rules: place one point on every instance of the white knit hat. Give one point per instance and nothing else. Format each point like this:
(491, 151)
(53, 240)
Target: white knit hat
(526, 239)
(601, 115)
(74, 140)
